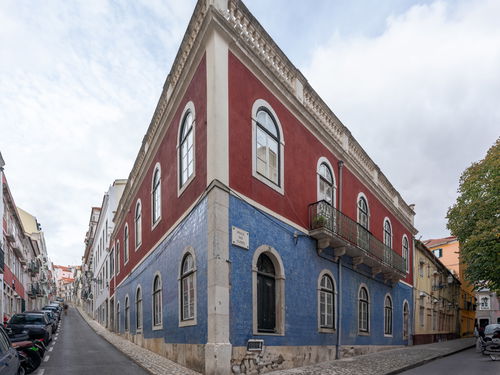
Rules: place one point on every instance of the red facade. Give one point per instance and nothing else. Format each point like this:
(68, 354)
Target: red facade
(302, 151)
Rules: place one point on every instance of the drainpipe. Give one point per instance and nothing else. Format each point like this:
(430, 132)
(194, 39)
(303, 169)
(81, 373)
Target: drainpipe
(339, 265)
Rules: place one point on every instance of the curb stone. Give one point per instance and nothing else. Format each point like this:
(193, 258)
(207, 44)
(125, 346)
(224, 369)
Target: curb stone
(148, 360)
(425, 361)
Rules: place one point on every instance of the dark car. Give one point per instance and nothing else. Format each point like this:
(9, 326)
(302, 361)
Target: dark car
(54, 309)
(37, 324)
(54, 319)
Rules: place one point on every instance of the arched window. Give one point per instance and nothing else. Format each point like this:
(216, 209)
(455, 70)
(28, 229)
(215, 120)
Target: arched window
(188, 288)
(138, 309)
(363, 310)
(127, 314)
(125, 244)
(387, 233)
(267, 146)
(157, 304)
(156, 195)
(388, 315)
(363, 233)
(186, 148)
(266, 294)
(406, 317)
(327, 302)
(406, 253)
(118, 317)
(118, 257)
(326, 184)
(363, 212)
(138, 224)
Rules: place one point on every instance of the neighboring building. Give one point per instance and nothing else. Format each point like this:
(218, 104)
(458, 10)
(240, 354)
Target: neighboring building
(488, 307)
(447, 250)
(437, 293)
(2, 237)
(41, 285)
(87, 278)
(16, 246)
(64, 276)
(254, 231)
(100, 251)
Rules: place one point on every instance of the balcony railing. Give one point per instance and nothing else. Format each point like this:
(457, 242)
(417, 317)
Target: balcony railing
(322, 216)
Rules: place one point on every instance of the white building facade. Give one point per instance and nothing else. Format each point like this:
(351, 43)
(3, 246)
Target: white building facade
(101, 260)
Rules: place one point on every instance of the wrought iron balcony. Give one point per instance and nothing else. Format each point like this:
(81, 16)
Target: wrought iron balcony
(343, 235)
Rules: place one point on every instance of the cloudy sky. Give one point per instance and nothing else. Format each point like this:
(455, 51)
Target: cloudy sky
(416, 82)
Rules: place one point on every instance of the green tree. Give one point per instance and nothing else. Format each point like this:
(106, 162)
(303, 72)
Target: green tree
(475, 220)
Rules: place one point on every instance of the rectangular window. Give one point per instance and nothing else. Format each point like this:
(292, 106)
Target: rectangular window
(438, 253)
(421, 316)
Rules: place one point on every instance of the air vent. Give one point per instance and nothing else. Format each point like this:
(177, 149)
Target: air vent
(255, 345)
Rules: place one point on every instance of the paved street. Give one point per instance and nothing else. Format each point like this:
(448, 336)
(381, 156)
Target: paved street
(467, 362)
(77, 349)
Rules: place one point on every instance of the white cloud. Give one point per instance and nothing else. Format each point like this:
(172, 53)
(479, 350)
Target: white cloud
(79, 83)
(421, 98)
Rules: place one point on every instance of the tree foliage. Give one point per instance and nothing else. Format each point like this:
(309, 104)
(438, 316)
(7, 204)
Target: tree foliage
(475, 220)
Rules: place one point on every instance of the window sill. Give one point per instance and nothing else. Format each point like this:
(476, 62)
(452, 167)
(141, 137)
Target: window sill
(156, 223)
(158, 328)
(188, 323)
(326, 330)
(361, 333)
(386, 335)
(138, 246)
(186, 184)
(257, 333)
(272, 185)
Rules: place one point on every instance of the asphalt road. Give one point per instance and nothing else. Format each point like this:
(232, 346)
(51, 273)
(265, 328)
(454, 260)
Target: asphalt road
(467, 362)
(77, 349)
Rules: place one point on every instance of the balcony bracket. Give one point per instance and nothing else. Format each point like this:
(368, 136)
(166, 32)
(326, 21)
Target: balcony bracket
(323, 244)
(338, 252)
(376, 271)
(356, 261)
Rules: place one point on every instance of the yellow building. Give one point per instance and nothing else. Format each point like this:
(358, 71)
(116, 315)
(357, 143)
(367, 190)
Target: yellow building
(448, 251)
(437, 293)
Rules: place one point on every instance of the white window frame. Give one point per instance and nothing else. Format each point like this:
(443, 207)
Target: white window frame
(324, 160)
(160, 302)
(194, 320)
(280, 290)
(387, 220)
(406, 256)
(117, 255)
(280, 188)
(138, 225)
(368, 310)
(181, 187)
(139, 310)
(392, 316)
(156, 221)
(481, 304)
(335, 293)
(362, 195)
(126, 244)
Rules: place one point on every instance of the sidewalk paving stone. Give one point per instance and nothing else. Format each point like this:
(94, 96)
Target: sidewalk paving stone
(385, 362)
(152, 362)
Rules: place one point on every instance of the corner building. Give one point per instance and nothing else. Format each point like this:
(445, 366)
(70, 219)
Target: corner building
(254, 231)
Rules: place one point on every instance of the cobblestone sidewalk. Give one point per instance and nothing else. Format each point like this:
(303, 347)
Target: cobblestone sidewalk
(154, 363)
(385, 362)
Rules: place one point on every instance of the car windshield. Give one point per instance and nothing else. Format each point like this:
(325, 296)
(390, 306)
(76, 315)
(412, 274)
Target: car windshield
(27, 319)
(491, 328)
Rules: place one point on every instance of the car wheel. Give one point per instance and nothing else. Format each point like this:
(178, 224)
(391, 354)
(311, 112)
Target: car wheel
(21, 371)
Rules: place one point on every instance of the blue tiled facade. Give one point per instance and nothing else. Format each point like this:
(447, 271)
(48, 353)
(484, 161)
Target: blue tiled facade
(302, 267)
(166, 259)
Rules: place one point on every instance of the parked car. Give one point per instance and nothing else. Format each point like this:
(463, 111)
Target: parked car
(9, 358)
(53, 318)
(54, 309)
(490, 330)
(36, 323)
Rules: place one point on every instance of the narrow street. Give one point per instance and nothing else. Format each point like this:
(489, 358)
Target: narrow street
(467, 362)
(77, 349)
